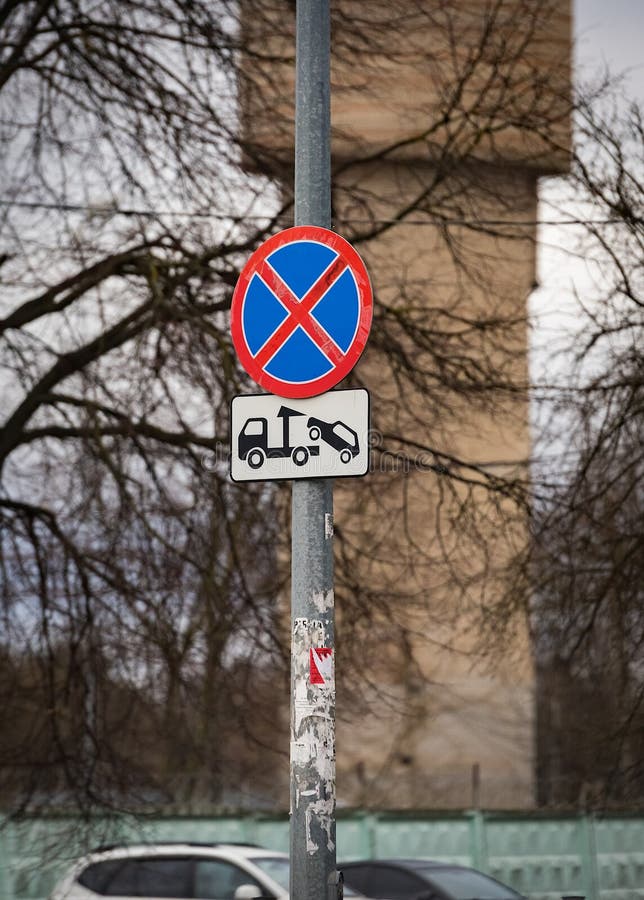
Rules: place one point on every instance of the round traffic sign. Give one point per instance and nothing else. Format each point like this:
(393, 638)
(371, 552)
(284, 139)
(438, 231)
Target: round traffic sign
(301, 312)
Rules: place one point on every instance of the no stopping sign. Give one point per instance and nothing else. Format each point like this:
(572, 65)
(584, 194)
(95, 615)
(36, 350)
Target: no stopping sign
(301, 312)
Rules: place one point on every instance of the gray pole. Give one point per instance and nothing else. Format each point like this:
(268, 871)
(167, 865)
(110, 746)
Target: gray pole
(312, 801)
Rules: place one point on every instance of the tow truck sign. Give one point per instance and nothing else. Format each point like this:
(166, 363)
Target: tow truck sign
(320, 437)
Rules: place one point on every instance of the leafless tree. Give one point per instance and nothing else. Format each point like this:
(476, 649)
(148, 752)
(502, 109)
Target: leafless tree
(588, 548)
(141, 589)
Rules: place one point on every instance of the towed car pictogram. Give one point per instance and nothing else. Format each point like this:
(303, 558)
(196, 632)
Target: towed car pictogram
(336, 435)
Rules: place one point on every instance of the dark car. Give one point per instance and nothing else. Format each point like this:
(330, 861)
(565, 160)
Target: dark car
(422, 879)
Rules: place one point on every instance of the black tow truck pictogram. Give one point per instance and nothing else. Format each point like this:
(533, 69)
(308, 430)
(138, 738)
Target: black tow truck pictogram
(253, 443)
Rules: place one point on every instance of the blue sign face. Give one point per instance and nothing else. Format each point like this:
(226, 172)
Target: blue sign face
(301, 312)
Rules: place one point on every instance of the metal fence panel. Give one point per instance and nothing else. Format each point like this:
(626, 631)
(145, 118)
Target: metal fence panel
(619, 854)
(448, 839)
(543, 857)
(540, 857)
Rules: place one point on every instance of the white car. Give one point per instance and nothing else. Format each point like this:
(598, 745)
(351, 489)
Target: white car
(180, 871)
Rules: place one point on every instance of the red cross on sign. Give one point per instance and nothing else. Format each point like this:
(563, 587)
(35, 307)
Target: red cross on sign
(301, 312)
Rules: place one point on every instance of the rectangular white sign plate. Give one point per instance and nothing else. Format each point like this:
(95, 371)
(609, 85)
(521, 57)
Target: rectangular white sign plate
(321, 437)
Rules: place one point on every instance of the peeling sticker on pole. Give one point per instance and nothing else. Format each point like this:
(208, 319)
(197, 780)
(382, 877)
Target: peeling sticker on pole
(320, 814)
(313, 725)
(321, 666)
(323, 601)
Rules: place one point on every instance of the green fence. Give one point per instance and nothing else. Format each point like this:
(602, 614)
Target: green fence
(543, 857)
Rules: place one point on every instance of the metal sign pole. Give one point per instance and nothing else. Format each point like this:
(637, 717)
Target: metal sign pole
(312, 771)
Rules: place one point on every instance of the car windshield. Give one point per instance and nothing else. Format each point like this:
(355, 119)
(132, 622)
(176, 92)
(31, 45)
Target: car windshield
(464, 884)
(276, 867)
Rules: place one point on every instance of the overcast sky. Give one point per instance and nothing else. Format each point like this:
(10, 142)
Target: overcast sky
(611, 32)
(608, 33)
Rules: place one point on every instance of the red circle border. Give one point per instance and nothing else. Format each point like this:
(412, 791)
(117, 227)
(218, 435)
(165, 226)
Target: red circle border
(365, 297)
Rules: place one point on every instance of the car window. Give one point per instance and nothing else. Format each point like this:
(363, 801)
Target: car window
(467, 884)
(356, 877)
(218, 880)
(123, 882)
(163, 878)
(151, 877)
(388, 882)
(394, 883)
(276, 867)
(96, 876)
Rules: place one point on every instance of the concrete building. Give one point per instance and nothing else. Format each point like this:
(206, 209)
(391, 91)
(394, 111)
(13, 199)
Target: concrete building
(445, 114)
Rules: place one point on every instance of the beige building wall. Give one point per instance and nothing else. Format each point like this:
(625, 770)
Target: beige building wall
(454, 112)
(455, 725)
